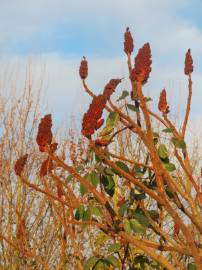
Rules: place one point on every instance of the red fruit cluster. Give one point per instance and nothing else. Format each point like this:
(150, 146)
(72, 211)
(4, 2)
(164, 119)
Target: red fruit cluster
(19, 165)
(53, 147)
(92, 118)
(101, 142)
(47, 164)
(128, 42)
(60, 191)
(121, 201)
(46, 167)
(176, 229)
(110, 88)
(188, 64)
(163, 105)
(83, 70)
(142, 68)
(21, 231)
(44, 136)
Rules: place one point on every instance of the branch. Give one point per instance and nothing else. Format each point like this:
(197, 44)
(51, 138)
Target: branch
(100, 196)
(188, 106)
(146, 247)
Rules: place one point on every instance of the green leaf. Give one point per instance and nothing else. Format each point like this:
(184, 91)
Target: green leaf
(87, 214)
(100, 168)
(141, 218)
(169, 193)
(155, 140)
(123, 95)
(79, 212)
(154, 214)
(83, 189)
(155, 265)
(139, 196)
(132, 108)
(155, 134)
(167, 130)
(170, 167)
(101, 264)
(138, 171)
(166, 160)
(126, 226)
(100, 239)
(79, 168)
(142, 260)
(112, 119)
(155, 137)
(89, 264)
(148, 99)
(191, 266)
(182, 144)
(93, 178)
(123, 166)
(108, 171)
(33, 263)
(96, 211)
(136, 226)
(108, 184)
(179, 143)
(114, 247)
(106, 131)
(97, 159)
(113, 261)
(162, 151)
(69, 178)
(123, 209)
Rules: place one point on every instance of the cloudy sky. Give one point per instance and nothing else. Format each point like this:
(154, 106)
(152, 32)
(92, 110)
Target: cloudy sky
(53, 35)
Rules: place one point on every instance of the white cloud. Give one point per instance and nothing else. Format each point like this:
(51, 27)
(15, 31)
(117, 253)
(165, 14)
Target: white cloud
(61, 82)
(64, 90)
(151, 20)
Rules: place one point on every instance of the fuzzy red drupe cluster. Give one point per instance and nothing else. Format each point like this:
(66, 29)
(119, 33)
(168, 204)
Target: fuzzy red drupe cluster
(20, 163)
(128, 42)
(163, 105)
(44, 136)
(188, 68)
(142, 68)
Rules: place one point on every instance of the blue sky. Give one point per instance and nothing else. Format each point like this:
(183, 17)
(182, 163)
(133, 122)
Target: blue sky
(91, 27)
(57, 33)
